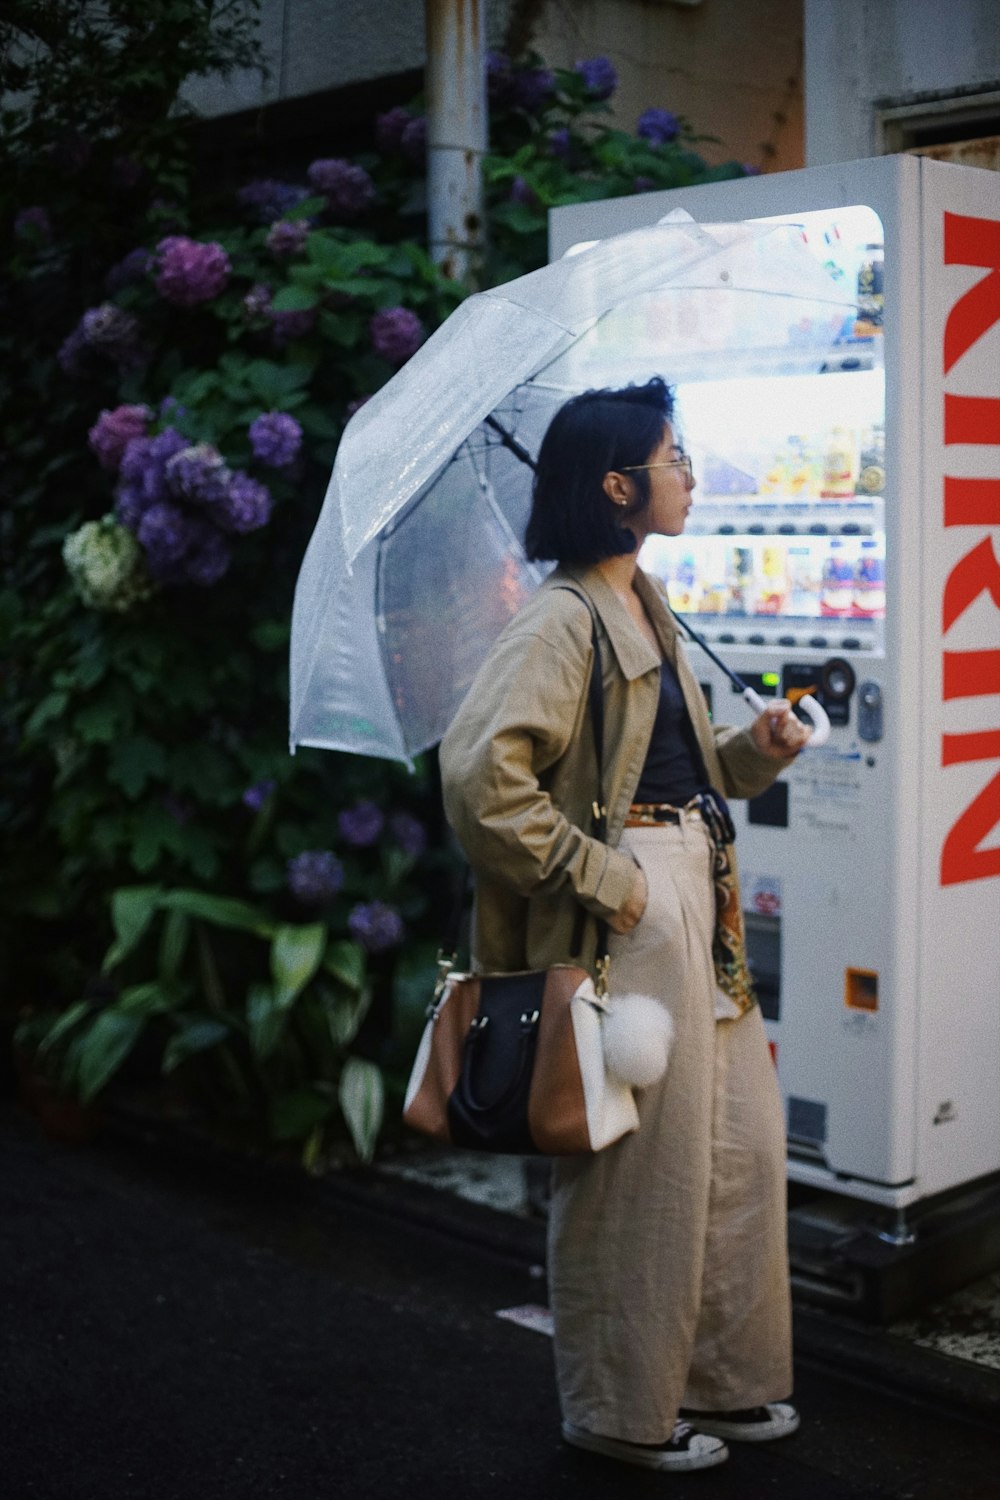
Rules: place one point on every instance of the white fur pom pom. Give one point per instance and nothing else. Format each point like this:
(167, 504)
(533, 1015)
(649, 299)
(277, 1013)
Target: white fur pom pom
(637, 1033)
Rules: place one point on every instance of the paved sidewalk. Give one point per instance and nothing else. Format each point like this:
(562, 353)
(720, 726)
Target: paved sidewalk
(180, 1325)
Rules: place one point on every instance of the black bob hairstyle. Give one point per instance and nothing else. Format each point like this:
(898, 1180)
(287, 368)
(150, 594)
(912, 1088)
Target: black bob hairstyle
(572, 519)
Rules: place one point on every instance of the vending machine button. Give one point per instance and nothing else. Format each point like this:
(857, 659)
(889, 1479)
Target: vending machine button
(850, 528)
(818, 642)
(787, 640)
(850, 643)
(727, 530)
(818, 528)
(727, 638)
(787, 529)
(870, 712)
(756, 640)
(757, 529)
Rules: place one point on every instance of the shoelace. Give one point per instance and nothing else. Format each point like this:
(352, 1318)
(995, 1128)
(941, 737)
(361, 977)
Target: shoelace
(683, 1431)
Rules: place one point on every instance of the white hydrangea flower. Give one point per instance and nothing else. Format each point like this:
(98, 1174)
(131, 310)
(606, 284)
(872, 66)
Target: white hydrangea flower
(107, 566)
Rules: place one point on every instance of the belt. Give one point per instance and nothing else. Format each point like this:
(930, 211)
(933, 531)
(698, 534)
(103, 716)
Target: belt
(653, 814)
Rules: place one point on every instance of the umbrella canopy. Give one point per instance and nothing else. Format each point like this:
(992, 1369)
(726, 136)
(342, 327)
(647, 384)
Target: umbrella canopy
(416, 562)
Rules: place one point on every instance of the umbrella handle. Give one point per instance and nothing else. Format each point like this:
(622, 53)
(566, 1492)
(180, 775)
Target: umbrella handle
(809, 705)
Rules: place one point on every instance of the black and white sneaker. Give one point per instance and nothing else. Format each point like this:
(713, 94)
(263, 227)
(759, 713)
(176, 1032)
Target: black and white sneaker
(756, 1424)
(685, 1449)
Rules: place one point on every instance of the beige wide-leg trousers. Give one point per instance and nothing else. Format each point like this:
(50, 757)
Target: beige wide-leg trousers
(668, 1257)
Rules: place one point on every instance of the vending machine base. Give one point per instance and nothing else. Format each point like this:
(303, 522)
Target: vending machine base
(878, 1264)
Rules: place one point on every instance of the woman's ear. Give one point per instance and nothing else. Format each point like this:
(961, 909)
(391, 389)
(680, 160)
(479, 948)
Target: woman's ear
(617, 488)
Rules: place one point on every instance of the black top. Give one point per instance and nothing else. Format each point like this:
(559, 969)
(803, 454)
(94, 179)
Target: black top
(674, 770)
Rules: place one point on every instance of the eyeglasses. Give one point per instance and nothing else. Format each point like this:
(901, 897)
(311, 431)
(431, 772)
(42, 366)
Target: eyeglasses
(672, 463)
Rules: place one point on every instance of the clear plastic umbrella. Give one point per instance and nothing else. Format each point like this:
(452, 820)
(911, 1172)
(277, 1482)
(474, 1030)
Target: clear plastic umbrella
(416, 563)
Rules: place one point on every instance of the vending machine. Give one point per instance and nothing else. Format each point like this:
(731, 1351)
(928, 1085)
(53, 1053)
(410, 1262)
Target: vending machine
(842, 543)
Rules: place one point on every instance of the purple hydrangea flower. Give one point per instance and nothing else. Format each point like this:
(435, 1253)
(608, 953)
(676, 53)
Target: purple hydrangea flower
(245, 506)
(396, 333)
(376, 926)
(275, 439)
(268, 200)
(197, 474)
(208, 554)
(749, 170)
(561, 142)
(532, 88)
(130, 269)
(361, 825)
(499, 78)
(642, 184)
(296, 324)
(414, 142)
(33, 224)
(73, 351)
(357, 404)
(522, 192)
(347, 187)
(110, 331)
(114, 430)
(599, 77)
(189, 272)
(409, 833)
(144, 463)
(658, 126)
(256, 795)
(131, 504)
(165, 533)
(315, 876)
(389, 127)
(257, 302)
(287, 237)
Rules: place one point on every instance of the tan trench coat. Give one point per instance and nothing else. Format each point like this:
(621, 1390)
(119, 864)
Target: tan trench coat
(519, 772)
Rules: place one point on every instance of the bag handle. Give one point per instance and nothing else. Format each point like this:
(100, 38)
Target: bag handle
(448, 952)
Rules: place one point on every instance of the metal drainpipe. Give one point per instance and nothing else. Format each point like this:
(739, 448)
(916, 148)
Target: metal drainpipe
(456, 133)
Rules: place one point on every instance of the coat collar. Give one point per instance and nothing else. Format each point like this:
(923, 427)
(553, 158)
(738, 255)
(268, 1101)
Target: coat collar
(635, 655)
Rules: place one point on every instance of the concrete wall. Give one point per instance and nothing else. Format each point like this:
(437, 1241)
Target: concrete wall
(871, 66)
(733, 69)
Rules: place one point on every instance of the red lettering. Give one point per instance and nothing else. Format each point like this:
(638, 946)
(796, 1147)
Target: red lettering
(971, 242)
(971, 502)
(961, 857)
(976, 573)
(971, 419)
(971, 674)
(959, 749)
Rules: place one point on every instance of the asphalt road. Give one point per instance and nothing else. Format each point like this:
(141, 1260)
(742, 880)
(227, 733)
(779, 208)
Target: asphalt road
(174, 1330)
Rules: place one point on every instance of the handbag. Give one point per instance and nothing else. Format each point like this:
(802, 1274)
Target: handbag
(541, 1061)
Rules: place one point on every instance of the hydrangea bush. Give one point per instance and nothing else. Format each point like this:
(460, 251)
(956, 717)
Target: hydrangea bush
(181, 358)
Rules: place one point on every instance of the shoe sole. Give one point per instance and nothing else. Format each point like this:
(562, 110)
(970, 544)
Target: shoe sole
(629, 1453)
(747, 1432)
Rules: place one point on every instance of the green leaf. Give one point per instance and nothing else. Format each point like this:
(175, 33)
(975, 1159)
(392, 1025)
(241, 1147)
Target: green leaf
(296, 954)
(98, 723)
(50, 708)
(267, 1021)
(344, 1014)
(132, 910)
(173, 943)
(62, 1026)
(133, 761)
(296, 1113)
(346, 961)
(362, 1101)
(223, 911)
(104, 1049)
(296, 299)
(149, 999)
(305, 209)
(194, 1036)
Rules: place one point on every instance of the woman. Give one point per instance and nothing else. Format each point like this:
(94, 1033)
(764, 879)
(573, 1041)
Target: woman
(667, 1254)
